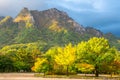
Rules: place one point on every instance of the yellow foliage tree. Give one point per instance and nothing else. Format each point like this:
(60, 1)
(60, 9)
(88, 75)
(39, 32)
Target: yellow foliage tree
(66, 56)
(85, 67)
(41, 65)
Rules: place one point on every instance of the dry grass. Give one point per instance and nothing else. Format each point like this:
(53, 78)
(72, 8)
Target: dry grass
(82, 76)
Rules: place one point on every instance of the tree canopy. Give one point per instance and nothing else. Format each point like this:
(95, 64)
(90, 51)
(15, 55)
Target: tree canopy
(92, 56)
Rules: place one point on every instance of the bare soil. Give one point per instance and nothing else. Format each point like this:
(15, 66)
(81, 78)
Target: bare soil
(30, 76)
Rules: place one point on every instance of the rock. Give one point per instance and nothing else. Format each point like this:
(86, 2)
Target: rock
(94, 32)
(24, 16)
(6, 21)
(47, 17)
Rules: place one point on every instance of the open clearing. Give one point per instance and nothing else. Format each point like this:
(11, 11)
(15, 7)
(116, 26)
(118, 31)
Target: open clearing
(30, 76)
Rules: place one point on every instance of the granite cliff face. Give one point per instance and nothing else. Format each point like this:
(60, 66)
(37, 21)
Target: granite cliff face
(24, 16)
(53, 16)
(48, 17)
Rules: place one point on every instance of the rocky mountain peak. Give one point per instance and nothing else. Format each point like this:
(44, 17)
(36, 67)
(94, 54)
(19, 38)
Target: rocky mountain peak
(53, 10)
(24, 11)
(24, 16)
(47, 17)
(56, 11)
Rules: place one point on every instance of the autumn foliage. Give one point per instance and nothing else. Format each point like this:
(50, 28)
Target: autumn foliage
(92, 56)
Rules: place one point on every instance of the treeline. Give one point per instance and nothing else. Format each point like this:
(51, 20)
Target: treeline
(17, 57)
(92, 56)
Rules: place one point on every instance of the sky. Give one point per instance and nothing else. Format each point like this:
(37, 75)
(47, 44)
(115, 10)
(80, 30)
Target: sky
(100, 14)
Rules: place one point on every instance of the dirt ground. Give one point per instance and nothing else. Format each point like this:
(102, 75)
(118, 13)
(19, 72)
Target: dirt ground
(30, 76)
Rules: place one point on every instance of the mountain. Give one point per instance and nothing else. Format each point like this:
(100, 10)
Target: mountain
(52, 19)
(52, 26)
(114, 41)
(1, 17)
(94, 32)
(48, 18)
(53, 16)
(6, 21)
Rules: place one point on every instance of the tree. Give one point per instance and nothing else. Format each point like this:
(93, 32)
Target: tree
(6, 64)
(84, 67)
(95, 51)
(66, 56)
(81, 51)
(50, 54)
(22, 55)
(112, 61)
(21, 65)
(41, 65)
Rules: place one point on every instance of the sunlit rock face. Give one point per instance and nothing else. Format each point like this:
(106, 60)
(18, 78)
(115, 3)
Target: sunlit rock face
(47, 17)
(6, 21)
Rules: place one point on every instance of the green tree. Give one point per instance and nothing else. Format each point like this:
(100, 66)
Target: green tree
(22, 55)
(41, 65)
(6, 64)
(84, 67)
(95, 51)
(111, 61)
(50, 54)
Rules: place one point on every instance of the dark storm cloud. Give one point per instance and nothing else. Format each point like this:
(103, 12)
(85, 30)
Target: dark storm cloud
(101, 14)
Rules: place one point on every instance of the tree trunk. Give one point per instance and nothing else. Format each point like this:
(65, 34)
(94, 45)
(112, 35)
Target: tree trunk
(96, 71)
(44, 74)
(67, 73)
(111, 74)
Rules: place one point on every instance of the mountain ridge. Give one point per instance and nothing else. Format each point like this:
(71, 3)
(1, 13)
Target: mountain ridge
(32, 16)
(52, 26)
